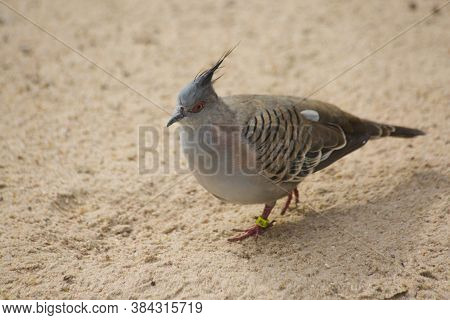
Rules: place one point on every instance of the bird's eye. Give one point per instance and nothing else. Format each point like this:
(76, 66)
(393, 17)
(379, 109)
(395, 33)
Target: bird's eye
(198, 107)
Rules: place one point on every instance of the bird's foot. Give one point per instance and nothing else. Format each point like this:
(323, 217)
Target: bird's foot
(259, 228)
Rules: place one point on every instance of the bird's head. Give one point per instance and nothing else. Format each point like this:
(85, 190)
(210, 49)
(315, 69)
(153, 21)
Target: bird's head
(198, 95)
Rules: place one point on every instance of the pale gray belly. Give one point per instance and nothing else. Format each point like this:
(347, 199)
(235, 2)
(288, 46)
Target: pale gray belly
(243, 189)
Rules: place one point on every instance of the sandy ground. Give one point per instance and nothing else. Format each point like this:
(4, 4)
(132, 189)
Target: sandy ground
(79, 221)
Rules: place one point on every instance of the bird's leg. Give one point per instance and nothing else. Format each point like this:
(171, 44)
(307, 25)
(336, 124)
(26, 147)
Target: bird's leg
(286, 205)
(296, 196)
(261, 225)
(289, 199)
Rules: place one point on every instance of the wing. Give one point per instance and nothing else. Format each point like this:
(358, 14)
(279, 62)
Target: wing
(290, 143)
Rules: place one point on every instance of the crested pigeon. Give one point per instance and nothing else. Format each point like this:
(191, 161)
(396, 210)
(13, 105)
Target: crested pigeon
(261, 146)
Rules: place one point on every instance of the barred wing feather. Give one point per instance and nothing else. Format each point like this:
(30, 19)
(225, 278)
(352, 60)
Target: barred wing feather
(289, 146)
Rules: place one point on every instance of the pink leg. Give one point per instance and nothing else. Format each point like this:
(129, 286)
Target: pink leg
(296, 196)
(289, 199)
(256, 230)
(286, 205)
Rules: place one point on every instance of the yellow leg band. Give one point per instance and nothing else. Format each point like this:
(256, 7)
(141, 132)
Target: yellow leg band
(263, 223)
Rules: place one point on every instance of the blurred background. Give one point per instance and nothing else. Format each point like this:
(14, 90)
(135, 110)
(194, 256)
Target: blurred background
(77, 79)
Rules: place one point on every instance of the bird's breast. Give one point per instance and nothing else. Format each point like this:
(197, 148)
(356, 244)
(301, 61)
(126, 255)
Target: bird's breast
(225, 165)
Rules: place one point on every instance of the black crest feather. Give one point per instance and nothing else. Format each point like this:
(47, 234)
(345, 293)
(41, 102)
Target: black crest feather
(205, 77)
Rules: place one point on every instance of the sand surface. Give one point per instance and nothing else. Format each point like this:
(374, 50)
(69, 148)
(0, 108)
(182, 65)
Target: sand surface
(79, 221)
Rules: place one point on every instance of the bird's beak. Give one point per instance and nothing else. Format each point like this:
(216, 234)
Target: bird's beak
(177, 116)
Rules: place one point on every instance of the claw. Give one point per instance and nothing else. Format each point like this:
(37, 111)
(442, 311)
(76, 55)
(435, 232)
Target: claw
(254, 231)
(261, 225)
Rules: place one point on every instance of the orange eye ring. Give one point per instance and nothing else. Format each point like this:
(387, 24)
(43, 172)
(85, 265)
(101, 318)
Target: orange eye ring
(198, 107)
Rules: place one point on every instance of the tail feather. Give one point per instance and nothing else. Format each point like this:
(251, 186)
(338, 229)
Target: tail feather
(404, 132)
(379, 130)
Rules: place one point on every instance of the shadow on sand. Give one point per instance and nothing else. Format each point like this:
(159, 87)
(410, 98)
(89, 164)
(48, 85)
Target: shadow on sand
(375, 243)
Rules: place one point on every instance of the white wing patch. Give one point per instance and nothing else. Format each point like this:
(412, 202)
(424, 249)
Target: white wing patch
(311, 115)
